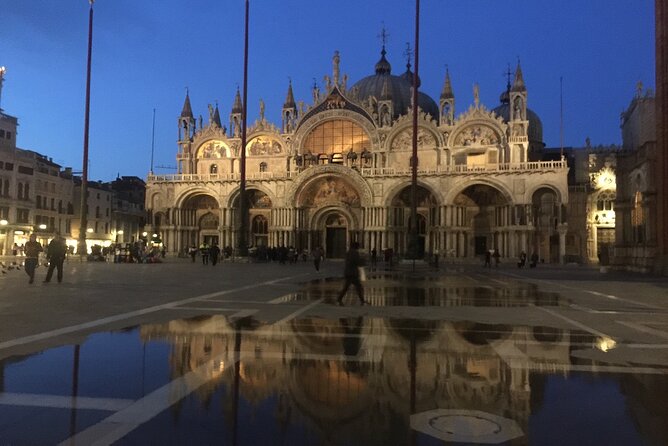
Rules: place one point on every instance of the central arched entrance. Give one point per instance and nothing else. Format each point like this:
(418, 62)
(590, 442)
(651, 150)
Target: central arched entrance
(336, 235)
(401, 222)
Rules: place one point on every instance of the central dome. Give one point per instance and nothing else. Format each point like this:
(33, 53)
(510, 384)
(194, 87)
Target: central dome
(398, 89)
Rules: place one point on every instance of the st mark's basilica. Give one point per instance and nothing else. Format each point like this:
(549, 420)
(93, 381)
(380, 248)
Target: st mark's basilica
(339, 170)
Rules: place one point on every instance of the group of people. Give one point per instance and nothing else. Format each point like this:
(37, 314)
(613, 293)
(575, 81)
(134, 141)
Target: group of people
(523, 260)
(206, 251)
(56, 252)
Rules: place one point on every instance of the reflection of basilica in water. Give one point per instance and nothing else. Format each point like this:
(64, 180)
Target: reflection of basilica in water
(341, 377)
(340, 170)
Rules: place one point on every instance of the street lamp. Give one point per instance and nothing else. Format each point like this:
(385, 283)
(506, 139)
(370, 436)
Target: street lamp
(4, 222)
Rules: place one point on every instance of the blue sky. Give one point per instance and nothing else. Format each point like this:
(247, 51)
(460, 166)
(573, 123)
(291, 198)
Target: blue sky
(146, 52)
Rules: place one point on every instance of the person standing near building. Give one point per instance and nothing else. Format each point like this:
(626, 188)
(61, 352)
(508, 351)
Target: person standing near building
(317, 257)
(214, 252)
(56, 253)
(351, 272)
(204, 252)
(33, 248)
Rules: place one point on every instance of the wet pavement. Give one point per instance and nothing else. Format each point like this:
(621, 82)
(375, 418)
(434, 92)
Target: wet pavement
(456, 356)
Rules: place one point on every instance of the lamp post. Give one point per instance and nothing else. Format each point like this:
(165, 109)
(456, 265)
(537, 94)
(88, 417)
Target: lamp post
(82, 249)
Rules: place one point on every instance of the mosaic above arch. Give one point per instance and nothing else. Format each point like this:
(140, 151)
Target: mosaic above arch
(264, 146)
(477, 135)
(213, 149)
(404, 140)
(329, 189)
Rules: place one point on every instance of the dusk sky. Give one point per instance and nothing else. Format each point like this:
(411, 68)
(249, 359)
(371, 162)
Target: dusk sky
(145, 53)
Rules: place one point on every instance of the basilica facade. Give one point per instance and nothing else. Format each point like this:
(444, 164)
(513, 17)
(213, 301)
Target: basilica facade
(339, 170)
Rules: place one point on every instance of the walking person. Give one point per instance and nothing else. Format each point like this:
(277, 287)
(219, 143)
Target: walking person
(33, 248)
(317, 257)
(214, 252)
(488, 259)
(204, 252)
(56, 252)
(496, 256)
(192, 251)
(351, 272)
(374, 258)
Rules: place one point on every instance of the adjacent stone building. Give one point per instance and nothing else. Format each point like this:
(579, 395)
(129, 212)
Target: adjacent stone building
(637, 194)
(339, 170)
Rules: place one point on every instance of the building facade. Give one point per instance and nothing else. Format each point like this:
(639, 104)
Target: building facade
(339, 170)
(637, 189)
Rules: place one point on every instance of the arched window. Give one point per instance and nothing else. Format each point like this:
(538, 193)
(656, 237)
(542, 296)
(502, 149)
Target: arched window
(260, 225)
(336, 136)
(213, 169)
(263, 167)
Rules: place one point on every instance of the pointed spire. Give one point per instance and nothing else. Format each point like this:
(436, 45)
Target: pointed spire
(216, 117)
(447, 92)
(518, 85)
(187, 111)
(289, 98)
(236, 107)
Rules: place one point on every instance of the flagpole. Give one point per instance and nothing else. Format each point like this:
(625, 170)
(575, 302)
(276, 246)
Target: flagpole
(152, 141)
(82, 249)
(243, 243)
(413, 244)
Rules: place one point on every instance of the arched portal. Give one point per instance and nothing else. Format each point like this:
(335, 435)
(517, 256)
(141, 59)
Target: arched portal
(547, 215)
(203, 212)
(330, 206)
(259, 207)
(401, 223)
(482, 211)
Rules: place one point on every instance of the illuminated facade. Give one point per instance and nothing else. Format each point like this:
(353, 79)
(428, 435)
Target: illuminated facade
(637, 213)
(339, 170)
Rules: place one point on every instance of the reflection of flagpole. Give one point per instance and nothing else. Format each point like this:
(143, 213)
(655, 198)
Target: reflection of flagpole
(82, 249)
(243, 244)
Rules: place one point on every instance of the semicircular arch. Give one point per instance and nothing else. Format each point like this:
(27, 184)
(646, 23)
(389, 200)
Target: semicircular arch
(234, 195)
(396, 189)
(461, 187)
(183, 197)
(550, 187)
(316, 173)
(311, 123)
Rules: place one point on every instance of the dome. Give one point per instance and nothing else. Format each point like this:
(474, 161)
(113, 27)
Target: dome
(398, 89)
(535, 125)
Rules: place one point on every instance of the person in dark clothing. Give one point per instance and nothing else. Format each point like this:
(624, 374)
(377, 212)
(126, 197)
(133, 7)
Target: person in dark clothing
(214, 252)
(317, 255)
(32, 250)
(534, 260)
(351, 272)
(56, 252)
(488, 259)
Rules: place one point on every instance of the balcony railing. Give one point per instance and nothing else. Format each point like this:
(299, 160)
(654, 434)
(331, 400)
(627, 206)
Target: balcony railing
(532, 166)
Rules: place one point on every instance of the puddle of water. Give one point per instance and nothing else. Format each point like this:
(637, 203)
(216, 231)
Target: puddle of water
(435, 291)
(348, 381)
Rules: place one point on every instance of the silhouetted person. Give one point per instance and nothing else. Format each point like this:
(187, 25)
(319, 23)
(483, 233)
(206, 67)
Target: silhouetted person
(32, 250)
(193, 252)
(351, 272)
(56, 253)
(488, 259)
(317, 255)
(496, 256)
(534, 260)
(214, 252)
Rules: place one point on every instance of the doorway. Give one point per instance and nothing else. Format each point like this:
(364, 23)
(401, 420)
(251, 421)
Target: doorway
(336, 243)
